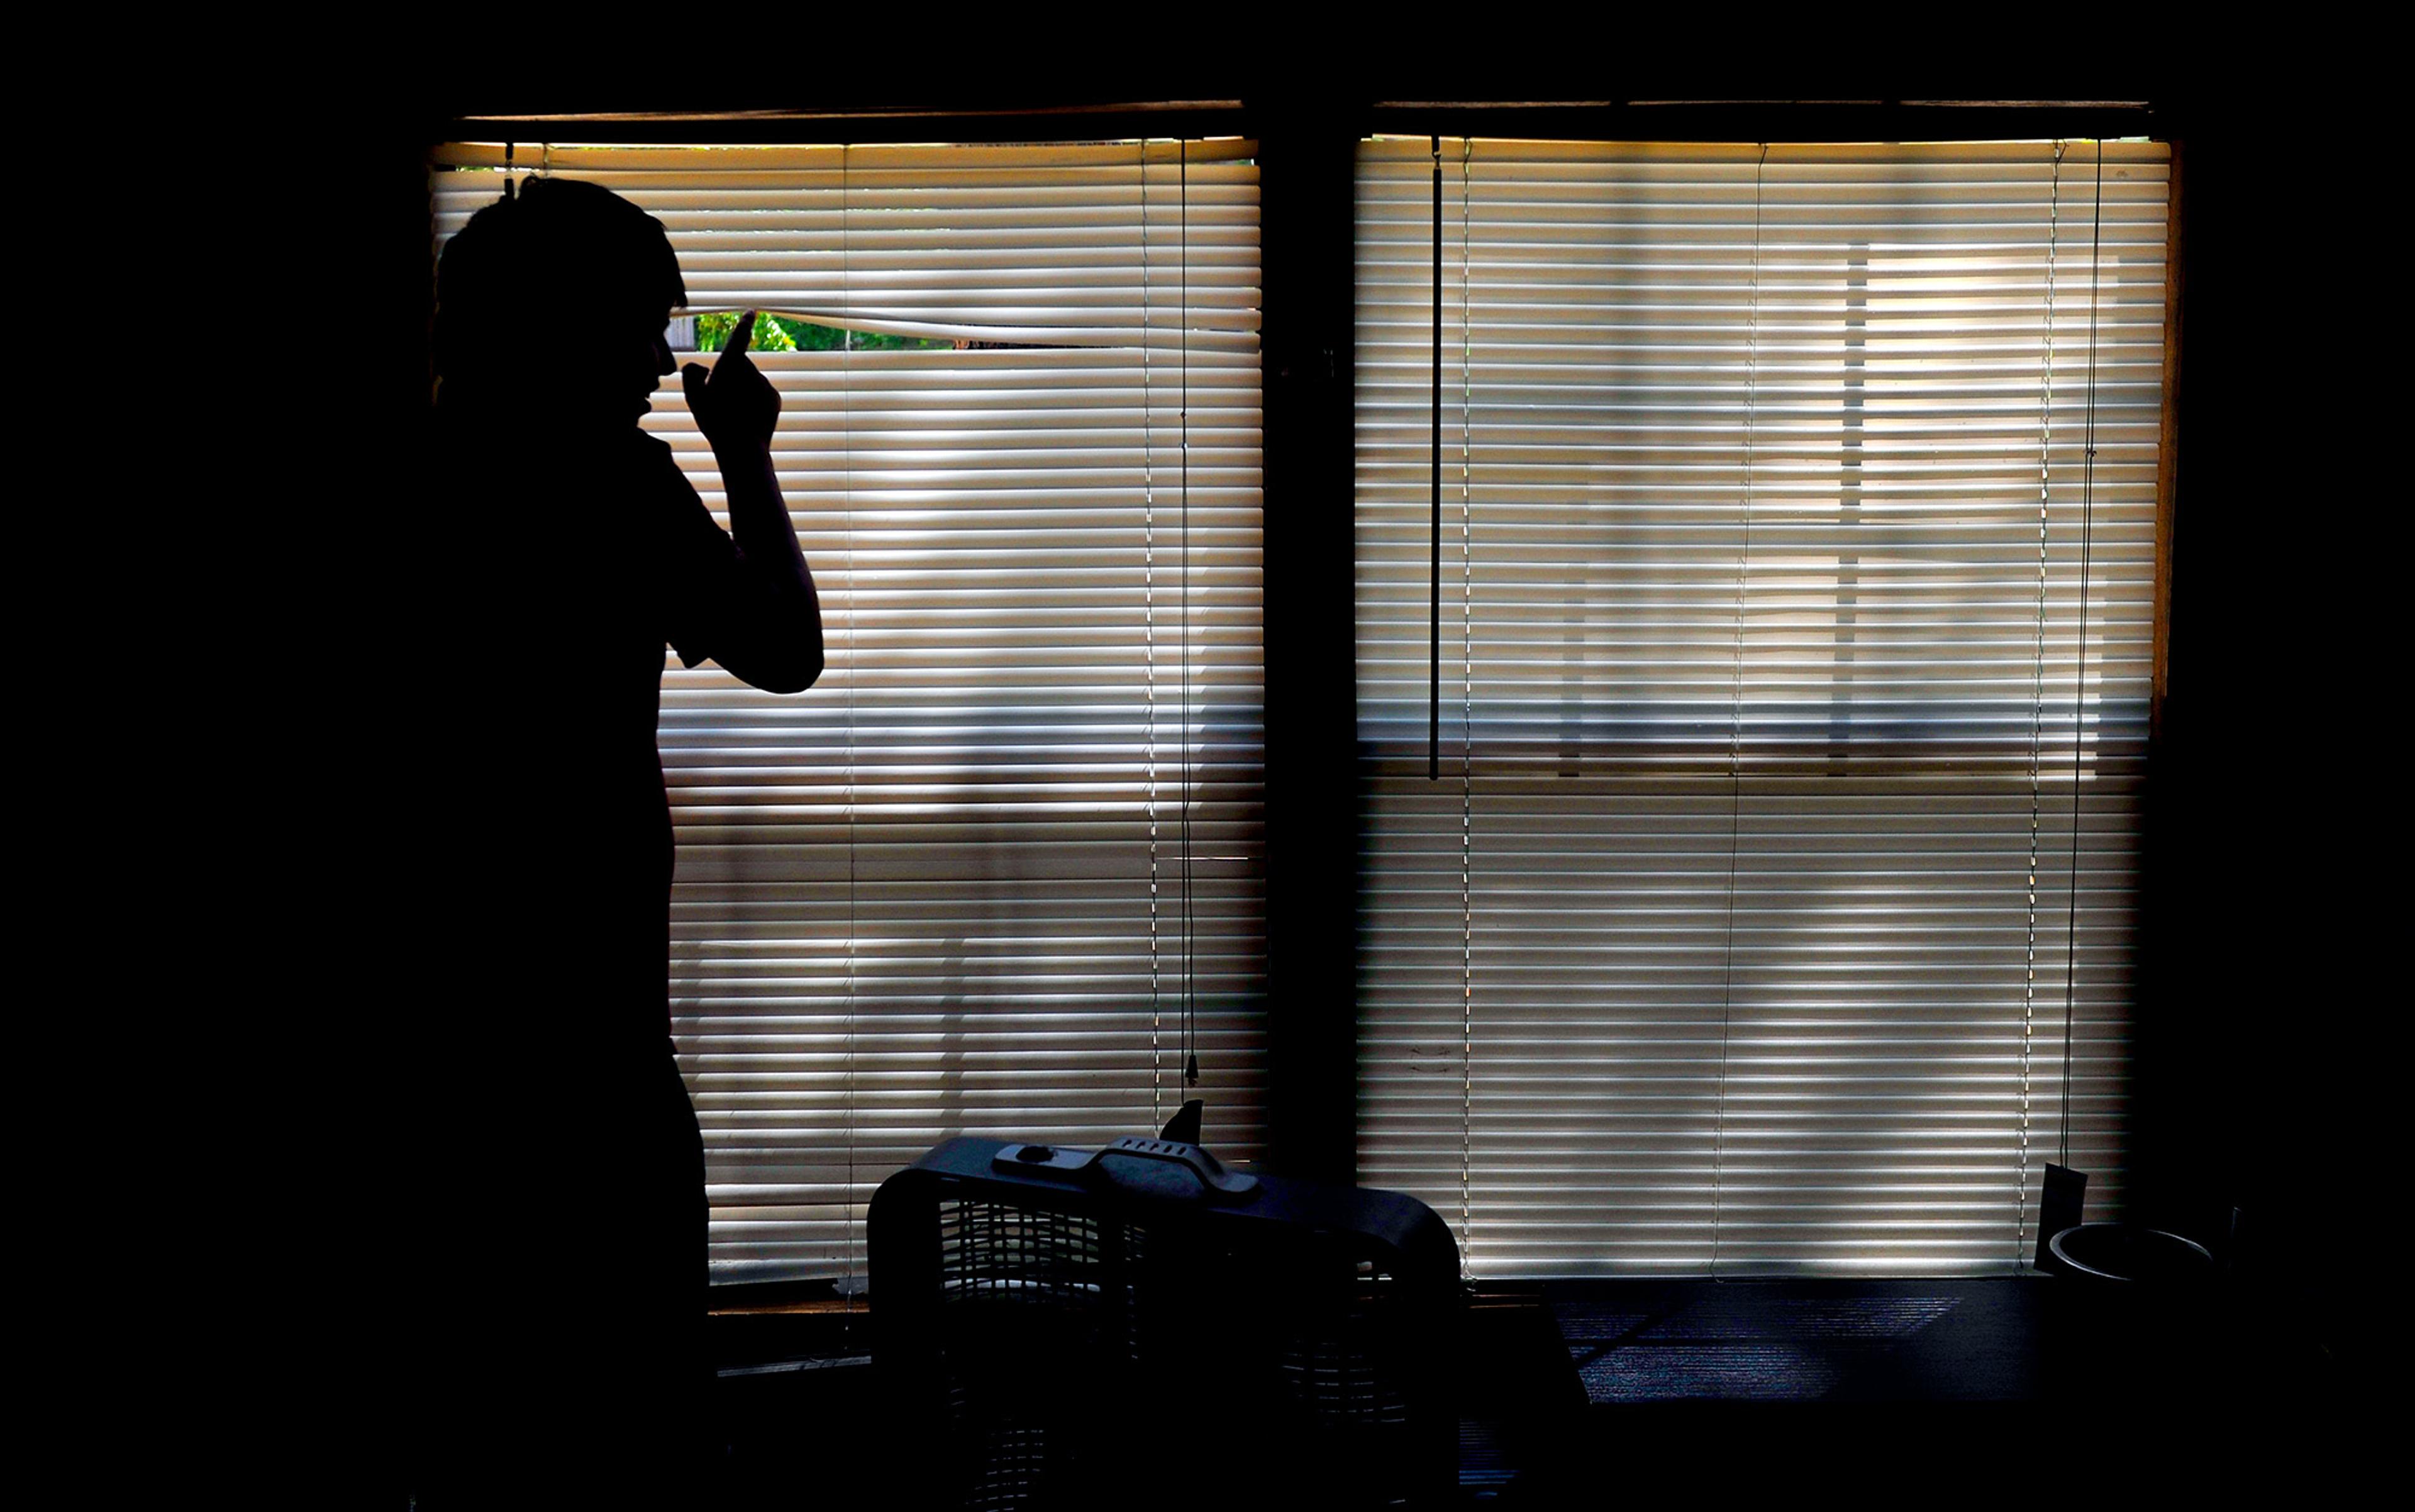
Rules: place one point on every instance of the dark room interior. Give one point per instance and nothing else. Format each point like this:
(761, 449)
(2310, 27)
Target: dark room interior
(2243, 962)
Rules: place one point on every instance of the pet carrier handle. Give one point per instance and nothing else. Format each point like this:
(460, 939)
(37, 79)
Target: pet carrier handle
(1135, 1164)
(1217, 1183)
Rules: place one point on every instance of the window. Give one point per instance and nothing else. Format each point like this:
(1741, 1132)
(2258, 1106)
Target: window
(970, 881)
(1796, 627)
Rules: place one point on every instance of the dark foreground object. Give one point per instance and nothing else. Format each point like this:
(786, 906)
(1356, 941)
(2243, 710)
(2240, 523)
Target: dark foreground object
(1141, 1326)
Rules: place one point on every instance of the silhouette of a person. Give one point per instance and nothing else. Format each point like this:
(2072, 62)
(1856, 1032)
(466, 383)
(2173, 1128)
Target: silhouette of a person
(560, 1226)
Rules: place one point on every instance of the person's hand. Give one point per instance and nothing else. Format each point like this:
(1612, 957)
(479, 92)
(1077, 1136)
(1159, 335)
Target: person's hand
(734, 404)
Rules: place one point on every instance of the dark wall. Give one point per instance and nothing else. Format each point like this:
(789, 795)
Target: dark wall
(2260, 1001)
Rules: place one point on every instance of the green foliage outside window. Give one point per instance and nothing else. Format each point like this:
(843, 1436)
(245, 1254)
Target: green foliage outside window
(778, 333)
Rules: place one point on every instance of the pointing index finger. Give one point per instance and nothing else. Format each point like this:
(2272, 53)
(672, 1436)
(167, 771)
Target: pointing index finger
(742, 336)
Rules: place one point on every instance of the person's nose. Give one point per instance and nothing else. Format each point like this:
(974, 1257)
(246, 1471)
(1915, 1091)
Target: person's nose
(663, 362)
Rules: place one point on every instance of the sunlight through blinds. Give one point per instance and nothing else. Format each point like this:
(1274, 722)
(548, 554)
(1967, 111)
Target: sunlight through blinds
(1733, 935)
(947, 891)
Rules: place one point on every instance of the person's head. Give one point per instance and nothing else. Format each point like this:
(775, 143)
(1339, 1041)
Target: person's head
(555, 302)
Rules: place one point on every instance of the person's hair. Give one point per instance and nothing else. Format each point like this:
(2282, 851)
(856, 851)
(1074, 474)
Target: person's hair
(531, 291)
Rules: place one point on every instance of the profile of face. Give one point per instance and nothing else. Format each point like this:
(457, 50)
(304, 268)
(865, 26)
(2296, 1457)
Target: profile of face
(625, 369)
(557, 303)
(665, 362)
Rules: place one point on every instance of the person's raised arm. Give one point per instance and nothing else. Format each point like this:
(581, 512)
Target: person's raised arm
(774, 638)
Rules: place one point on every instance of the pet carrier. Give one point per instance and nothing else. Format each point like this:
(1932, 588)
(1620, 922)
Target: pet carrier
(1140, 1326)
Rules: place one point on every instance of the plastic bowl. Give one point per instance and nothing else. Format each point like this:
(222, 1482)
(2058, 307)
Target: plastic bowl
(2124, 1252)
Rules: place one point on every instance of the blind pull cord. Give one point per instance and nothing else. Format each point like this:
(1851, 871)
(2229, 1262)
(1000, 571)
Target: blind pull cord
(1466, 706)
(2038, 703)
(1434, 571)
(1190, 919)
(1148, 631)
(1735, 739)
(847, 462)
(2080, 671)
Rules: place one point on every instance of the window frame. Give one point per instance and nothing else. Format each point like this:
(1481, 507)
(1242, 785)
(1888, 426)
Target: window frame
(1306, 145)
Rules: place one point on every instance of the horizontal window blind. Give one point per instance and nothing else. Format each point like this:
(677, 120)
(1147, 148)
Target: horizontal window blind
(1789, 637)
(965, 884)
